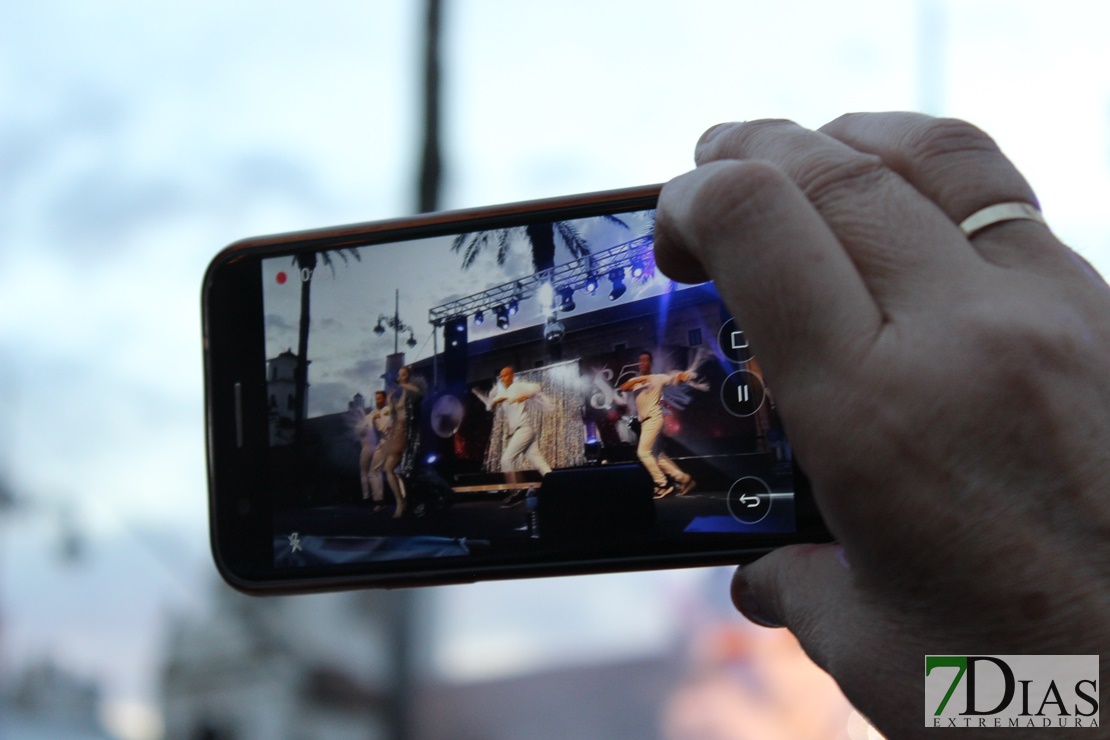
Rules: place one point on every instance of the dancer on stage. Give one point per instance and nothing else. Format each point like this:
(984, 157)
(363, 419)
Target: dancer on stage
(373, 431)
(648, 391)
(400, 446)
(523, 440)
(412, 391)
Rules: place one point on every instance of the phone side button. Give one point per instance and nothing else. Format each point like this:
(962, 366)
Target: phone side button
(238, 388)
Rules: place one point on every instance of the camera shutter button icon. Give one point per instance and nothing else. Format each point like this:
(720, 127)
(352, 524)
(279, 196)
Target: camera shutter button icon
(733, 343)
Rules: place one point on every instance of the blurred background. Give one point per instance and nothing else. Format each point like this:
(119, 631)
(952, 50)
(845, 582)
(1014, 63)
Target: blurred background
(139, 138)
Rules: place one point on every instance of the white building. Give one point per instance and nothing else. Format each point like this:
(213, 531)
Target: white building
(281, 391)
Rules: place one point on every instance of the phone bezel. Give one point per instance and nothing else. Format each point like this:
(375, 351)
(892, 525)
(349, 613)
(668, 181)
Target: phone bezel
(241, 518)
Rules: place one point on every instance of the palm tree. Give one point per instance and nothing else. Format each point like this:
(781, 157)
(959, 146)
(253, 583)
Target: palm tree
(306, 269)
(540, 237)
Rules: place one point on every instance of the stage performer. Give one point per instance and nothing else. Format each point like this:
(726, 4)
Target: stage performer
(400, 446)
(515, 396)
(413, 390)
(647, 388)
(373, 431)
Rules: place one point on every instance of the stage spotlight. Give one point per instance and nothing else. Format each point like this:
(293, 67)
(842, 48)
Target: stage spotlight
(617, 278)
(411, 341)
(379, 329)
(566, 295)
(514, 306)
(502, 317)
(479, 318)
(637, 267)
(590, 285)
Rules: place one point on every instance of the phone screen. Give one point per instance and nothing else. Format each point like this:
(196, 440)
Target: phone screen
(529, 395)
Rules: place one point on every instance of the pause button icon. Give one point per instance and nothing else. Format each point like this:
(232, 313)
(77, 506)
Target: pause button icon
(742, 393)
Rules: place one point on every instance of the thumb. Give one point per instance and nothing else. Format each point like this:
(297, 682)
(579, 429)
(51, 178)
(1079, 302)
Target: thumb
(808, 589)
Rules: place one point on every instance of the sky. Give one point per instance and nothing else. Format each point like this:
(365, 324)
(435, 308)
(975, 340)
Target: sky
(138, 139)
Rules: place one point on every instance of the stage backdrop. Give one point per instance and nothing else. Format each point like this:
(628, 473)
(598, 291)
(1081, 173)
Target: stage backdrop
(557, 415)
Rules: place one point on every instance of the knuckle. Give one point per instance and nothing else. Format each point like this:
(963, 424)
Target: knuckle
(735, 140)
(832, 178)
(722, 198)
(737, 192)
(945, 137)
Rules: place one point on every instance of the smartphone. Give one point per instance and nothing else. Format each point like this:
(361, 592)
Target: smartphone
(493, 393)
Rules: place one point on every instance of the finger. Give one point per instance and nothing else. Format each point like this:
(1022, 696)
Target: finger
(777, 265)
(903, 245)
(874, 658)
(807, 589)
(958, 167)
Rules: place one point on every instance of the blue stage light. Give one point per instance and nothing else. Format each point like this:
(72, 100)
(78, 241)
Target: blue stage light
(617, 278)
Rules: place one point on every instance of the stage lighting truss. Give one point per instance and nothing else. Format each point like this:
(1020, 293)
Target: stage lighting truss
(579, 274)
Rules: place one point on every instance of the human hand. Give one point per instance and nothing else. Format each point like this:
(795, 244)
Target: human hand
(946, 395)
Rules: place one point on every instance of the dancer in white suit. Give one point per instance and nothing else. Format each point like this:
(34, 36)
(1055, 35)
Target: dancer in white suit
(647, 387)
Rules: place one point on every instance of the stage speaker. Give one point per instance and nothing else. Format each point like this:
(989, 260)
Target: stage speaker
(455, 353)
(602, 503)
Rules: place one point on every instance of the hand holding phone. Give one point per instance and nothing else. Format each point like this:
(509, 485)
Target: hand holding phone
(946, 389)
(501, 343)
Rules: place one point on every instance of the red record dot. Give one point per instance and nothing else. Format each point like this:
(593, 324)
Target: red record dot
(281, 278)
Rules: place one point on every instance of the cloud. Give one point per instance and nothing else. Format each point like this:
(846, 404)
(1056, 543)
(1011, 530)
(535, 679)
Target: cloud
(101, 206)
(277, 322)
(263, 172)
(329, 397)
(363, 372)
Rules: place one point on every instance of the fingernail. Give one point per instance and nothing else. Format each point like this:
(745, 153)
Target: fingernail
(745, 602)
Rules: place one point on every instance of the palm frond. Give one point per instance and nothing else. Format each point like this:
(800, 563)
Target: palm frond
(328, 259)
(474, 248)
(574, 241)
(472, 244)
(468, 245)
(504, 240)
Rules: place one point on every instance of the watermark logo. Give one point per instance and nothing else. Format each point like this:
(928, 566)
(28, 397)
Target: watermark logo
(1011, 691)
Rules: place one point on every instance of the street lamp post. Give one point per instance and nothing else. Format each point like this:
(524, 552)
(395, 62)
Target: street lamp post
(394, 322)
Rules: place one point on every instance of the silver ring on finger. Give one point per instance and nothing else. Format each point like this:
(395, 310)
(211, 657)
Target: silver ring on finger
(999, 212)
